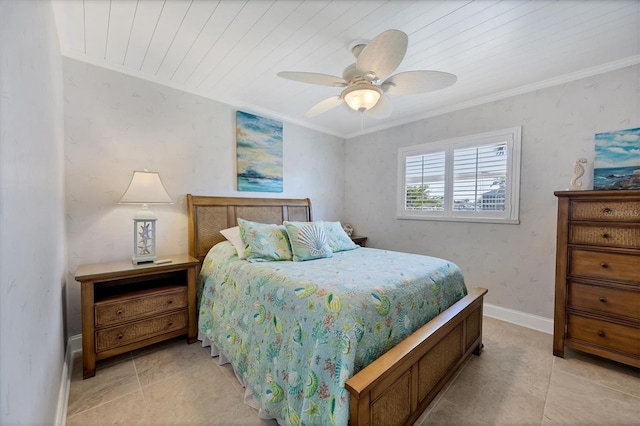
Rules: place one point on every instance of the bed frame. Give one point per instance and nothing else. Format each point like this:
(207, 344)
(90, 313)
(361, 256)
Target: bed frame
(397, 387)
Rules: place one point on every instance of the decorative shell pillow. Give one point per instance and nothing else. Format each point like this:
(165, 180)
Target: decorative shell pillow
(338, 238)
(264, 242)
(308, 240)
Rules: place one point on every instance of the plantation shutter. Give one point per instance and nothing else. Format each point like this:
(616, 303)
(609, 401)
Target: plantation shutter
(480, 177)
(424, 181)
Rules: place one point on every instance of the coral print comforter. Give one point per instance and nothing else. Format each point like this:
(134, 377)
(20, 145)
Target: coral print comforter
(296, 331)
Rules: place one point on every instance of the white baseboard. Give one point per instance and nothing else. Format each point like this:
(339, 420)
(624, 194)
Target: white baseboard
(519, 318)
(74, 344)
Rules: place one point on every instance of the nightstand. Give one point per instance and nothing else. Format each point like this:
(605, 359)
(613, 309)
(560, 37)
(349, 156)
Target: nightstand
(126, 306)
(361, 241)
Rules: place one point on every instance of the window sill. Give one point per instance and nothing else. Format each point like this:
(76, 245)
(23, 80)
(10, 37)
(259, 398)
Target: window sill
(462, 219)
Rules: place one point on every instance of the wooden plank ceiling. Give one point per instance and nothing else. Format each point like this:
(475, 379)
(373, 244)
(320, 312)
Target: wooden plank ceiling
(231, 50)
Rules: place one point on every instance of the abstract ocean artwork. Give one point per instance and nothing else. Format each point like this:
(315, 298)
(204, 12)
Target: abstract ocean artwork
(617, 163)
(259, 153)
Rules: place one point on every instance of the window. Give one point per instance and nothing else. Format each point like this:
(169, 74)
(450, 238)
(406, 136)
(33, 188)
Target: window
(473, 178)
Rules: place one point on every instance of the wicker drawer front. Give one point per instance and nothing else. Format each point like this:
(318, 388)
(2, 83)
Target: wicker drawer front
(610, 236)
(607, 300)
(622, 211)
(618, 337)
(114, 312)
(613, 266)
(120, 336)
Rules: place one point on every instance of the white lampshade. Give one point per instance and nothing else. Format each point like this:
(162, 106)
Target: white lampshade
(362, 99)
(146, 188)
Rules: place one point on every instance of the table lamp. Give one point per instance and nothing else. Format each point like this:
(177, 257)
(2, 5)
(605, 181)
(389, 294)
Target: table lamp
(145, 188)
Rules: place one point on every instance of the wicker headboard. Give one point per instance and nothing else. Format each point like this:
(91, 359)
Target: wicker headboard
(209, 215)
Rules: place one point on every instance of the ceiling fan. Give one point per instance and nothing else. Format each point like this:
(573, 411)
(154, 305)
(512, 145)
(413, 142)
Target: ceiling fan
(366, 82)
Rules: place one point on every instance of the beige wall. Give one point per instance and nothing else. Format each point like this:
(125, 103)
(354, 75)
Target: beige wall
(515, 262)
(32, 249)
(115, 124)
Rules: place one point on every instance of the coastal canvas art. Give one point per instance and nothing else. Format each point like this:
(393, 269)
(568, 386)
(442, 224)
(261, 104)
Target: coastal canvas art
(259, 153)
(617, 163)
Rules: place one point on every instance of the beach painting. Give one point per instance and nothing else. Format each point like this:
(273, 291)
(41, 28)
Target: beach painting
(259, 153)
(617, 160)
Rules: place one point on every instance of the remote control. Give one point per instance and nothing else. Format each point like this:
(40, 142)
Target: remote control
(160, 262)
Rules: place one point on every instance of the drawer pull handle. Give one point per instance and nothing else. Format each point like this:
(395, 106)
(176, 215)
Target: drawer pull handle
(170, 324)
(169, 302)
(606, 210)
(601, 333)
(605, 235)
(603, 299)
(120, 336)
(119, 312)
(604, 265)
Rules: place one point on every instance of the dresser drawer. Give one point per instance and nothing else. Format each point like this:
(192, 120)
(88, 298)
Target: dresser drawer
(618, 337)
(613, 266)
(609, 236)
(614, 301)
(140, 305)
(620, 211)
(119, 336)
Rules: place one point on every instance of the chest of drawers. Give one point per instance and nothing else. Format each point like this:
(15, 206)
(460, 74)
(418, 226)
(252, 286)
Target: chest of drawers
(597, 293)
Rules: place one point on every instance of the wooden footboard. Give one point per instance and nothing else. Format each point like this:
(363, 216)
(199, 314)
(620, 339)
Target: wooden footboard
(397, 387)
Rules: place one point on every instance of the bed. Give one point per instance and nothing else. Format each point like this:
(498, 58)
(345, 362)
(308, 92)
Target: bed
(394, 388)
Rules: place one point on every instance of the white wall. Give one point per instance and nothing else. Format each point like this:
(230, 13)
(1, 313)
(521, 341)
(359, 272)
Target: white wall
(515, 262)
(115, 124)
(32, 250)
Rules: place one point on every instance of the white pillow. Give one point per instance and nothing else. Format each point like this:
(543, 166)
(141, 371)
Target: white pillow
(233, 236)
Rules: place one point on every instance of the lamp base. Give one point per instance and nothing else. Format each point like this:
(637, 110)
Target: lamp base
(144, 240)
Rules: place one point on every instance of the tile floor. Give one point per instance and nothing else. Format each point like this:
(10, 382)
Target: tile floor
(516, 381)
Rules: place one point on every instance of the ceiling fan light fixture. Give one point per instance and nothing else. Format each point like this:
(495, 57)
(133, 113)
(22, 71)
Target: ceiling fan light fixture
(362, 98)
(367, 82)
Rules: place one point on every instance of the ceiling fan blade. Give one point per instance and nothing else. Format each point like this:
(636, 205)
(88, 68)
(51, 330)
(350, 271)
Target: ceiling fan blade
(324, 105)
(406, 83)
(382, 109)
(383, 54)
(314, 78)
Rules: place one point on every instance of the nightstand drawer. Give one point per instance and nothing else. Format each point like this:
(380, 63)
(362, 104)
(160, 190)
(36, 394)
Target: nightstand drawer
(612, 301)
(597, 264)
(120, 336)
(620, 211)
(610, 236)
(139, 305)
(618, 337)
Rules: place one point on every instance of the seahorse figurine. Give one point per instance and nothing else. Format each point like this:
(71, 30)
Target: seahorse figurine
(578, 172)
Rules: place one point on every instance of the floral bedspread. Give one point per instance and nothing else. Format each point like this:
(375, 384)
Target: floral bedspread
(296, 331)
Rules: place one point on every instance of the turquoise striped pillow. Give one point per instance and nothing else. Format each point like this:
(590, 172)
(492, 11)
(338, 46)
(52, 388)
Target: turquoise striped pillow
(338, 239)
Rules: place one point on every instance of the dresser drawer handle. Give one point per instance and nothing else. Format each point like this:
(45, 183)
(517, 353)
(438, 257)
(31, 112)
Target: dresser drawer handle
(170, 324)
(120, 336)
(169, 302)
(603, 299)
(601, 333)
(604, 265)
(605, 235)
(606, 210)
(119, 312)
